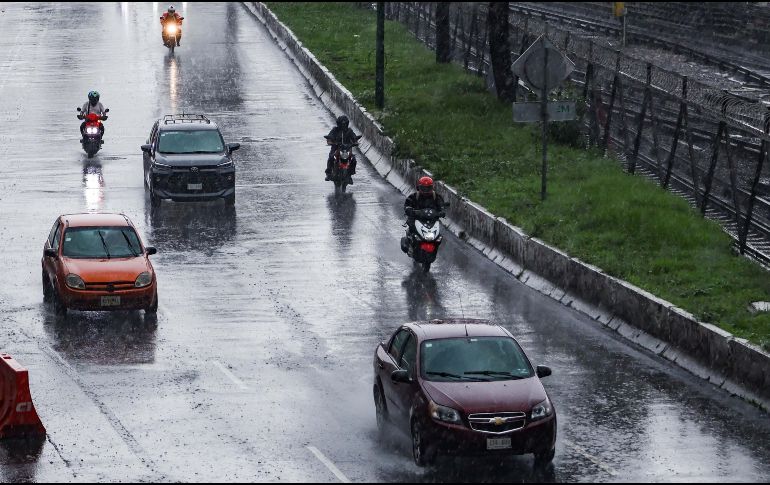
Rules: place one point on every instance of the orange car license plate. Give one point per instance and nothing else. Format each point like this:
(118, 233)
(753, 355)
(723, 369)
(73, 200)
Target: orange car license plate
(110, 300)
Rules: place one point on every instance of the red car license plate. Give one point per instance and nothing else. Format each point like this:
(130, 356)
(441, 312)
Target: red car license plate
(498, 443)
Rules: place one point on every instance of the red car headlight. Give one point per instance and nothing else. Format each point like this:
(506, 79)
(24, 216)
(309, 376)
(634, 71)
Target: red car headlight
(542, 410)
(443, 413)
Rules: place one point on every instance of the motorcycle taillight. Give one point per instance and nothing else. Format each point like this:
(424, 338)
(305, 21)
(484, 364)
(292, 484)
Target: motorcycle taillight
(428, 247)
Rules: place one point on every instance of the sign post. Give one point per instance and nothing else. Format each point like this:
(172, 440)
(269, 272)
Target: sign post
(542, 67)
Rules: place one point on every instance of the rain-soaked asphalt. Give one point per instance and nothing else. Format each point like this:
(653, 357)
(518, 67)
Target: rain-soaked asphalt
(260, 361)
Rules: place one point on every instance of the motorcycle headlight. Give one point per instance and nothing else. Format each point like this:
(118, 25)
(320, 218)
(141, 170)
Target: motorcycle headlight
(75, 281)
(443, 413)
(144, 279)
(542, 410)
(345, 155)
(92, 130)
(429, 236)
(171, 29)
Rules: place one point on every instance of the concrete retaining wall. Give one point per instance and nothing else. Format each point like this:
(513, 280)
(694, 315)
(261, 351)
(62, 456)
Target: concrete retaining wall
(703, 349)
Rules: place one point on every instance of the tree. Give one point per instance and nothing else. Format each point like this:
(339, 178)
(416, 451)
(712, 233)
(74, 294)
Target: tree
(500, 50)
(443, 39)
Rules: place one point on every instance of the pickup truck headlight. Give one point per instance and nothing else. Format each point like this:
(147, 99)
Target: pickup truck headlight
(75, 281)
(226, 164)
(161, 166)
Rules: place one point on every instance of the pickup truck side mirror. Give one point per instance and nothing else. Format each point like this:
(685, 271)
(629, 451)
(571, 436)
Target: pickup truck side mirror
(50, 253)
(231, 147)
(149, 250)
(147, 148)
(542, 371)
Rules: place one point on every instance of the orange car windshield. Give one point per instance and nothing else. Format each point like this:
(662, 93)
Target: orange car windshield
(101, 242)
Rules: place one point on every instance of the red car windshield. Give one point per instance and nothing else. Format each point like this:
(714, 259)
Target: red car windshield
(473, 358)
(101, 242)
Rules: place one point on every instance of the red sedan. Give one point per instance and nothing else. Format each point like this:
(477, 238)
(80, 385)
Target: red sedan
(463, 387)
(98, 262)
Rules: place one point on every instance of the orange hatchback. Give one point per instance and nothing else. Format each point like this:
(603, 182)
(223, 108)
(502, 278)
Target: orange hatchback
(98, 262)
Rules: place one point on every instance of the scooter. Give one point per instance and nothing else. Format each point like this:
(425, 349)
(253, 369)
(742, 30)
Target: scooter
(422, 245)
(171, 32)
(343, 159)
(92, 132)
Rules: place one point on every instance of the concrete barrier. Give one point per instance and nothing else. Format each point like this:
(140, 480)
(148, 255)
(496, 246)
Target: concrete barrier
(703, 349)
(18, 417)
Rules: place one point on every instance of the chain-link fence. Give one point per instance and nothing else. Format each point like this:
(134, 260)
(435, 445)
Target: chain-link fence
(700, 142)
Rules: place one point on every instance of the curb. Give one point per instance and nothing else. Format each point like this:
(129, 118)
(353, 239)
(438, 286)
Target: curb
(728, 362)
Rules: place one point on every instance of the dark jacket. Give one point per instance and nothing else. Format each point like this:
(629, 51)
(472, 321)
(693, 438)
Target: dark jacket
(416, 202)
(338, 136)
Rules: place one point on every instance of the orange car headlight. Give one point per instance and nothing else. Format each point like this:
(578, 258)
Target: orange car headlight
(75, 281)
(144, 279)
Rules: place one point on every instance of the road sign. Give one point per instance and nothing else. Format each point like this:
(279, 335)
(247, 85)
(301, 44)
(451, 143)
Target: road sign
(528, 112)
(529, 66)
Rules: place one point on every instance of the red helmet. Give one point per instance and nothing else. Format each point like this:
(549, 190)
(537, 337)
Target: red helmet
(425, 186)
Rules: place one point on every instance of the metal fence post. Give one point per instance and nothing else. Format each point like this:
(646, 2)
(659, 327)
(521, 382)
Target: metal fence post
(744, 233)
(640, 124)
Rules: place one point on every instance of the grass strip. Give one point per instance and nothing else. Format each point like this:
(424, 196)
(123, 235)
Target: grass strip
(443, 117)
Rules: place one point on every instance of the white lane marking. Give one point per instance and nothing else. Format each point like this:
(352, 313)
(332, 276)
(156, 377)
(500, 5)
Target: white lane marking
(332, 468)
(231, 376)
(590, 457)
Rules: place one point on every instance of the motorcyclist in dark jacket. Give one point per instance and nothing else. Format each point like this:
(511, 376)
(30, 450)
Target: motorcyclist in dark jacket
(425, 197)
(340, 134)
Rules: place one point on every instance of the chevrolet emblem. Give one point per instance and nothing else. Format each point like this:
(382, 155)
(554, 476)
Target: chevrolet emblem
(499, 421)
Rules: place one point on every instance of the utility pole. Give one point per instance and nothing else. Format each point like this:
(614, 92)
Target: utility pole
(619, 9)
(544, 114)
(379, 75)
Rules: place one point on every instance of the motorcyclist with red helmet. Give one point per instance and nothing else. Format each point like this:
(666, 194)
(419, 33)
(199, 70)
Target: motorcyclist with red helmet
(171, 16)
(424, 197)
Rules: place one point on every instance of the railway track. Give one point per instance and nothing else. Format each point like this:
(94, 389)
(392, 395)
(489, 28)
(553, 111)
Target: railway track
(751, 76)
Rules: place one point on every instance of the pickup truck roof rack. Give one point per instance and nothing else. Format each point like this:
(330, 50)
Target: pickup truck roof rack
(185, 118)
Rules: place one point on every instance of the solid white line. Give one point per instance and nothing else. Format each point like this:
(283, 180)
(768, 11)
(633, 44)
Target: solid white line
(590, 457)
(329, 464)
(231, 376)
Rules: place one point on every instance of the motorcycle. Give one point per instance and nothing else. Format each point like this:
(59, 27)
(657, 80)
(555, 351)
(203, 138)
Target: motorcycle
(92, 132)
(170, 32)
(343, 159)
(422, 245)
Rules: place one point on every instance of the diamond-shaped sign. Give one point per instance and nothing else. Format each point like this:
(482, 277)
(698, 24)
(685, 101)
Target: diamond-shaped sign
(530, 65)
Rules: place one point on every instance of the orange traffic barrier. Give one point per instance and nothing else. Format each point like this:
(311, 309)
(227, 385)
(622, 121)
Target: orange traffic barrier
(18, 417)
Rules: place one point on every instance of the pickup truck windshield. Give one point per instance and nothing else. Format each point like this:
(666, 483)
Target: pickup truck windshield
(191, 141)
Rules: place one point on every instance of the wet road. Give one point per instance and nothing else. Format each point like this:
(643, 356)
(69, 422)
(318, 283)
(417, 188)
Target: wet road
(259, 366)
